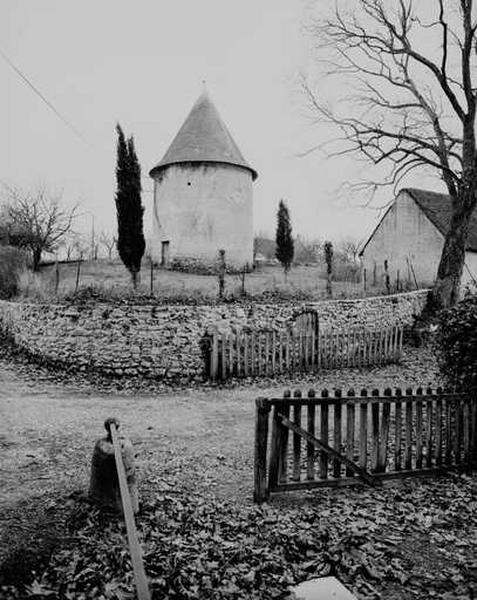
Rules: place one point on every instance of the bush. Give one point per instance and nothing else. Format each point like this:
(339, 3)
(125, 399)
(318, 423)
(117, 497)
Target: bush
(34, 286)
(456, 343)
(12, 264)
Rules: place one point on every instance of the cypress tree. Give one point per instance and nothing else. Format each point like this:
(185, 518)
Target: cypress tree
(285, 249)
(328, 252)
(129, 210)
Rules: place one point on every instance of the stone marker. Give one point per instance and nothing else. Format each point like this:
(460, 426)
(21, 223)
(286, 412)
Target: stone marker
(324, 588)
(104, 483)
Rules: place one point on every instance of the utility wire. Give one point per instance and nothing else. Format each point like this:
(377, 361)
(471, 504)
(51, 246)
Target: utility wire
(38, 93)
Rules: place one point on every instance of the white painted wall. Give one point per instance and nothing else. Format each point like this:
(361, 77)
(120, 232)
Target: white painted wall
(201, 209)
(406, 233)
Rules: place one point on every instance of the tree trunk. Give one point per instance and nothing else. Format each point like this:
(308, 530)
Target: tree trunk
(329, 290)
(135, 278)
(449, 273)
(36, 259)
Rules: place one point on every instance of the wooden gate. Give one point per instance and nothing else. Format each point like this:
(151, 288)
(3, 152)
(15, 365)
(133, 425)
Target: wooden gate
(307, 322)
(340, 440)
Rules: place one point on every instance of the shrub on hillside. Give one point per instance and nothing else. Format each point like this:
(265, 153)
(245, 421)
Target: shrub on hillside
(34, 286)
(456, 343)
(12, 264)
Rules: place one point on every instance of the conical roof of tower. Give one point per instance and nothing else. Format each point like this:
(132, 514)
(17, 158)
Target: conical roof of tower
(203, 137)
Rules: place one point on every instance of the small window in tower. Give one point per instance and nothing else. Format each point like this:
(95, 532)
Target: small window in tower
(188, 183)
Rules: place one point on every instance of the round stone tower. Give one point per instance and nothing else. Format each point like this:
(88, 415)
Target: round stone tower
(203, 195)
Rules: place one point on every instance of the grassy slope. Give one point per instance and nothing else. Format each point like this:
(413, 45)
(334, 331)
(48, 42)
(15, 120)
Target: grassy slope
(113, 274)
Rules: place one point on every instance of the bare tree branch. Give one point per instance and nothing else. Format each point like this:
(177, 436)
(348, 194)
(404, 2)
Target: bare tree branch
(37, 221)
(414, 101)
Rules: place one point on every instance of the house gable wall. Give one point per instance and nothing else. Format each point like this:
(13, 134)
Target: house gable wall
(405, 234)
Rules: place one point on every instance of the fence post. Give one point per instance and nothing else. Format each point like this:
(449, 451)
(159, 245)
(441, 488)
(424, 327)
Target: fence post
(78, 269)
(386, 277)
(221, 274)
(214, 358)
(260, 493)
(57, 274)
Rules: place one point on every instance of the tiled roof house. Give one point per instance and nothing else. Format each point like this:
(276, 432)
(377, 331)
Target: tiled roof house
(410, 236)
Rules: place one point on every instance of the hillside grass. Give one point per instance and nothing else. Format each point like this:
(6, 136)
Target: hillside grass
(303, 282)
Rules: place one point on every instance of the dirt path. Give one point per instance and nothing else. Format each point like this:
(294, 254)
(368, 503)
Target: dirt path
(201, 438)
(48, 427)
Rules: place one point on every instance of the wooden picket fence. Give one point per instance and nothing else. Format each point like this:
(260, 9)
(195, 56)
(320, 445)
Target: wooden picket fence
(250, 353)
(340, 440)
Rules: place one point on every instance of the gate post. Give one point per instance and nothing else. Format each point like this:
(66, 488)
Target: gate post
(260, 493)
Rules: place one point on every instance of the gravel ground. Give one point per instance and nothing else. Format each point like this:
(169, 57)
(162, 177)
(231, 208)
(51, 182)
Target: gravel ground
(49, 426)
(203, 436)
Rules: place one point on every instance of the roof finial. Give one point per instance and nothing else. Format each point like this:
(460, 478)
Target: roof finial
(204, 86)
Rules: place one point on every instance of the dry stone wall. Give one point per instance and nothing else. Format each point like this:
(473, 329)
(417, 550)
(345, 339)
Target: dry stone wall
(163, 342)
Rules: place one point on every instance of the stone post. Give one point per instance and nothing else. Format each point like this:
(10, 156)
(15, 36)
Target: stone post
(104, 483)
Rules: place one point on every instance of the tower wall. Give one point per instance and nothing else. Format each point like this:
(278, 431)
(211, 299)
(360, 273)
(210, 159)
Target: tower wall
(200, 208)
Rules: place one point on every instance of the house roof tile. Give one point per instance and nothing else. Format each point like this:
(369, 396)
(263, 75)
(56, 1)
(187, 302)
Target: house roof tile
(438, 209)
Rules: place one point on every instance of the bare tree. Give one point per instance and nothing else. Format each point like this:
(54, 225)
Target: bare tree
(306, 251)
(109, 242)
(413, 66)
(348, 248)
(80, 245)
(37, 221)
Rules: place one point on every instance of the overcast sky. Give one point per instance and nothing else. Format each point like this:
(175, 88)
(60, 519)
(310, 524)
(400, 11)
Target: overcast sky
(142, 63)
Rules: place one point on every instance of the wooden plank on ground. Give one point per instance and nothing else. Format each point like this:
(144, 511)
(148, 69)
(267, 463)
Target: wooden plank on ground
(142, 586)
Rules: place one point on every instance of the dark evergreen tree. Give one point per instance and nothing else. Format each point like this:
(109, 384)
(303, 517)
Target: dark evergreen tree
(285, 249)
(129, 209)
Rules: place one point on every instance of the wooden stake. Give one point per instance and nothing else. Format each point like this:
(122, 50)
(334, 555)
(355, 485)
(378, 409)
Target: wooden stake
(142, 587)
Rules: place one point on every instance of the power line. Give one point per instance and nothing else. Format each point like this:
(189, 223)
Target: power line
(38, 93)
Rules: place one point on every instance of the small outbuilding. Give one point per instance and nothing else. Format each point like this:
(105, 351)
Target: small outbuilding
(203, 197)
(410, 238)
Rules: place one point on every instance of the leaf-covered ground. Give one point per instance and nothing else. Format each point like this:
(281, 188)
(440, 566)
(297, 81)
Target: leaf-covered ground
(201, 534)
